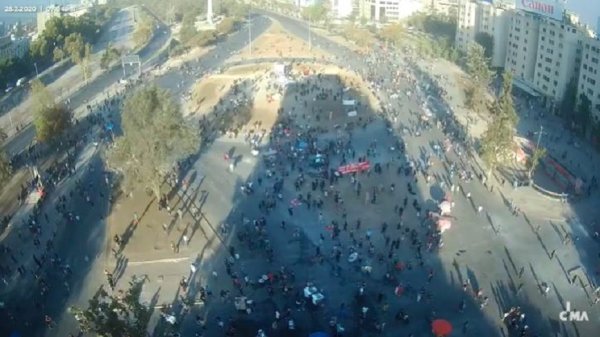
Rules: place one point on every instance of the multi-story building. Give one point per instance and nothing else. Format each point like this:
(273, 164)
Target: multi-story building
(589, 75)
(481, 17)
(521, 51)
(558, 56)
(57, 11)
(544, 54)
(11, 47)
(340, 9)
(45, 16)
(389, 10)
(306, 3)
(443, 7)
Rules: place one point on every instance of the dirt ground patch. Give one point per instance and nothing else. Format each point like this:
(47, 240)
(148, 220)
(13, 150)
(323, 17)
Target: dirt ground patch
(277, 42)
(206, 93)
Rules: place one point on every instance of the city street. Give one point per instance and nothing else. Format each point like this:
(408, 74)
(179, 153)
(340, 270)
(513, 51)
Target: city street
(367, 242)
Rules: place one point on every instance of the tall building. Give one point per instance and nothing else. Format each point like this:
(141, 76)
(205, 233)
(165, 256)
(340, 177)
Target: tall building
(521, 51)
(589, 75)
(45, 16)
(11, 47)
(306, 3)
(57, 11)
(482, 17)
(389, 10)
(340, 9)
(558, 56)
(443, 7)
(544, 53)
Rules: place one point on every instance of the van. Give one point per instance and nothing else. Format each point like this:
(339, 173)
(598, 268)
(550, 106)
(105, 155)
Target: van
(21, 81)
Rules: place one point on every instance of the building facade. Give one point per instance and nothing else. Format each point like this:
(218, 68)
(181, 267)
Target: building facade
(544, 54)
(11, 47)
(341, 9)
(389, 10)
(443, 7)
(558, 57)
(57, 11)
(521, 50)
(45, 16)
(482, 17)
(589, 75)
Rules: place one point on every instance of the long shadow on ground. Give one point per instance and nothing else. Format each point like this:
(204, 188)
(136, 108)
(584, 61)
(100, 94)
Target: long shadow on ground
(265, 247)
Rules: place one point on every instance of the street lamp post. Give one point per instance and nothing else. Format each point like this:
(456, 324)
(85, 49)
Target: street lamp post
(249, 34)
(537, 146)
(309, 35)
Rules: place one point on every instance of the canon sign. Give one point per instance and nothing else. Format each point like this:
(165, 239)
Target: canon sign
(553, 9)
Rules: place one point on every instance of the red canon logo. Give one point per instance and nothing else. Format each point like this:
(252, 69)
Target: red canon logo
(538, 6)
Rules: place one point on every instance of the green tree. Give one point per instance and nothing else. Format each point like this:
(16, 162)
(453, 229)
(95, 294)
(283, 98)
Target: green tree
(487, 42)
(3, 135)
(226, 25)
(144, 29)
(74, 47)
(533, 161)
(583, 114)
(86, 62)
(5, 168)
(497, 143)
(234, 9)
(188, 30)
(110, 55)
(567, 105)
(111, 316)
(315, 13)
(481, 76)
(58, 55)
(393, 33)
(154, 136)
(49, 118)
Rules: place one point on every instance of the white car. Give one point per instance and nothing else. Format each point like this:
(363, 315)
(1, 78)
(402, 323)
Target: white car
(8, 89)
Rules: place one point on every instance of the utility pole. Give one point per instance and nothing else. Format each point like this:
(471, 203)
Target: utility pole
(249, 33)
(309, 35)
(539, 137)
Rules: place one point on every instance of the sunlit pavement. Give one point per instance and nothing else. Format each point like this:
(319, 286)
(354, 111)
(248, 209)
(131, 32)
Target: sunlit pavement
(493, 257)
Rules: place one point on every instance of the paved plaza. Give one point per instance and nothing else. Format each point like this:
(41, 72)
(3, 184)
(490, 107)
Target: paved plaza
(265, 230)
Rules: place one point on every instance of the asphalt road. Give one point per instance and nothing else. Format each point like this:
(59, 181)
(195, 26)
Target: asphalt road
(506, 237)
(88, 240)
(99, 84)
(82, 246)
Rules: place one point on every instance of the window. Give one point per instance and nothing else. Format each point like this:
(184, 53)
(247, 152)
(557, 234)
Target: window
(591, 81)
(555, 83)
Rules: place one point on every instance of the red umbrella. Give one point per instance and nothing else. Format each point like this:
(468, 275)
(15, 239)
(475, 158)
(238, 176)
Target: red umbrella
(441, 328)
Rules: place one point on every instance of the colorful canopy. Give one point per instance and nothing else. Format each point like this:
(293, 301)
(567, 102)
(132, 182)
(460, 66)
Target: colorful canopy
(441, 328)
